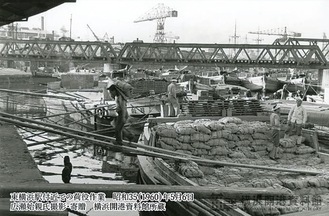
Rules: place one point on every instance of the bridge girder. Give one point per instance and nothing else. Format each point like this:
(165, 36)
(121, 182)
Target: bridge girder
(77, 51)
(322, 43)
(248, 55)
(293, 55)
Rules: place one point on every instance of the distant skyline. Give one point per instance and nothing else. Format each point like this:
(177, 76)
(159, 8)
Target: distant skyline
(203, 21)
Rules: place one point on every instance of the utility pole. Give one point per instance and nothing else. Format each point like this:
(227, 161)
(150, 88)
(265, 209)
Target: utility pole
(234, 36)
(71, 27)
(324, 37)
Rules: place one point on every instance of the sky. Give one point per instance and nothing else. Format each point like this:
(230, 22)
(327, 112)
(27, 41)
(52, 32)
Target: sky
(202, 21)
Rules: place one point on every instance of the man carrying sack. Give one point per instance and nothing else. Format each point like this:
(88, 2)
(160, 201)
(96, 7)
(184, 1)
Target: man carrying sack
(120, 92)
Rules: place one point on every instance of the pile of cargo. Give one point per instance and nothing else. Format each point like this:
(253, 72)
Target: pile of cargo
(228, 137)
(232, 140)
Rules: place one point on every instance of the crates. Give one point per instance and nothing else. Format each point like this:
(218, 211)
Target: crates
(203, 108)
(221, 108)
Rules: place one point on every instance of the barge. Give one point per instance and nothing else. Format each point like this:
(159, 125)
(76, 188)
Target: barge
(240, 145)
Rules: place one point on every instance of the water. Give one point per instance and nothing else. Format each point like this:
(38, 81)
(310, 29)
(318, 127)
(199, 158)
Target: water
(87, 168)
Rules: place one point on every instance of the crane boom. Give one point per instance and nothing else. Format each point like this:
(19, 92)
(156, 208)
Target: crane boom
(284, 34)
(93, 33)
(159, 12)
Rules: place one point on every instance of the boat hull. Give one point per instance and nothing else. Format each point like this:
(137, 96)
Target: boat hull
(270, 84)
(249, 85)
(230, 80)
(299, 85)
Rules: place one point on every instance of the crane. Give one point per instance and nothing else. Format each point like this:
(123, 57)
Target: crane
(159, 13)
(93, 33)
(274, 32)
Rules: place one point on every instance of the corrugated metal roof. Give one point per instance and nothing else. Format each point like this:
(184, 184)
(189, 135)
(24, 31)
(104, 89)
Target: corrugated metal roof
(18, 10)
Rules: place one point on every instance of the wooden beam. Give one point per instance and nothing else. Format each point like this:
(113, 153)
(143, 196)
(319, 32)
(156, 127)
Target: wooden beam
(95, 138)
(39, 94)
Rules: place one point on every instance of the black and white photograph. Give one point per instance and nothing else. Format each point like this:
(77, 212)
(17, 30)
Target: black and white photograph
(164, 108)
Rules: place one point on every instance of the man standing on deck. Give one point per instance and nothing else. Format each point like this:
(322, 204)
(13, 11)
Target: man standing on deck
(172, 99)
(275, 125)
(121, 108)
(296, 119)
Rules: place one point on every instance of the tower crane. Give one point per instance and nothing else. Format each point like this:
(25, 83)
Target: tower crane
(274, 32)
(158, 13)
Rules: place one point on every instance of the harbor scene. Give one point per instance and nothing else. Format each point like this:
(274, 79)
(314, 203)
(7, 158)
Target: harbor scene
(168, 108)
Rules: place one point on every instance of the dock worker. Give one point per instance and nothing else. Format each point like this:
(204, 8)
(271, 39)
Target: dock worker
(67, 170)
(121, 108)
(172, 99)
(296, 119)
(275, 126)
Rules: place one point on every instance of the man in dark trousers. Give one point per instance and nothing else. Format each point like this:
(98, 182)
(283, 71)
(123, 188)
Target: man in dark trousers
(121, 109)
(275, 126)
(66, 172)
(172, 99)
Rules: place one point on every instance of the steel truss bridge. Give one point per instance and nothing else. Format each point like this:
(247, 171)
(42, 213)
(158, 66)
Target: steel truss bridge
(294, 53)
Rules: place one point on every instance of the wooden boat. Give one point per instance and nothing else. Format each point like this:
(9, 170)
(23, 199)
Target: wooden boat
(155, 171)
(250, 85)
(270, 84)
(303, 85)
(232, 80)
(159, 171)
(212, 78)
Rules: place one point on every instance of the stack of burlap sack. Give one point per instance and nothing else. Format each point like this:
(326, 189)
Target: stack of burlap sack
(227, 137)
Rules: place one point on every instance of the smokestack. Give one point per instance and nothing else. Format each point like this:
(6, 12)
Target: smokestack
(42, 23)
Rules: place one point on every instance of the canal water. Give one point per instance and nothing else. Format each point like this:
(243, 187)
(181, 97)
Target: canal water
(88, 168)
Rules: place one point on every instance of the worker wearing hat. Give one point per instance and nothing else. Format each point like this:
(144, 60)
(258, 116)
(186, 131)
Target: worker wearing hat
(121, 108)
(172, 98)
(297, 118)
(275, 126)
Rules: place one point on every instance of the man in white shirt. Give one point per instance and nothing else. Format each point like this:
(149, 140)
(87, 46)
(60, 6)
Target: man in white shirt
(297, 118)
